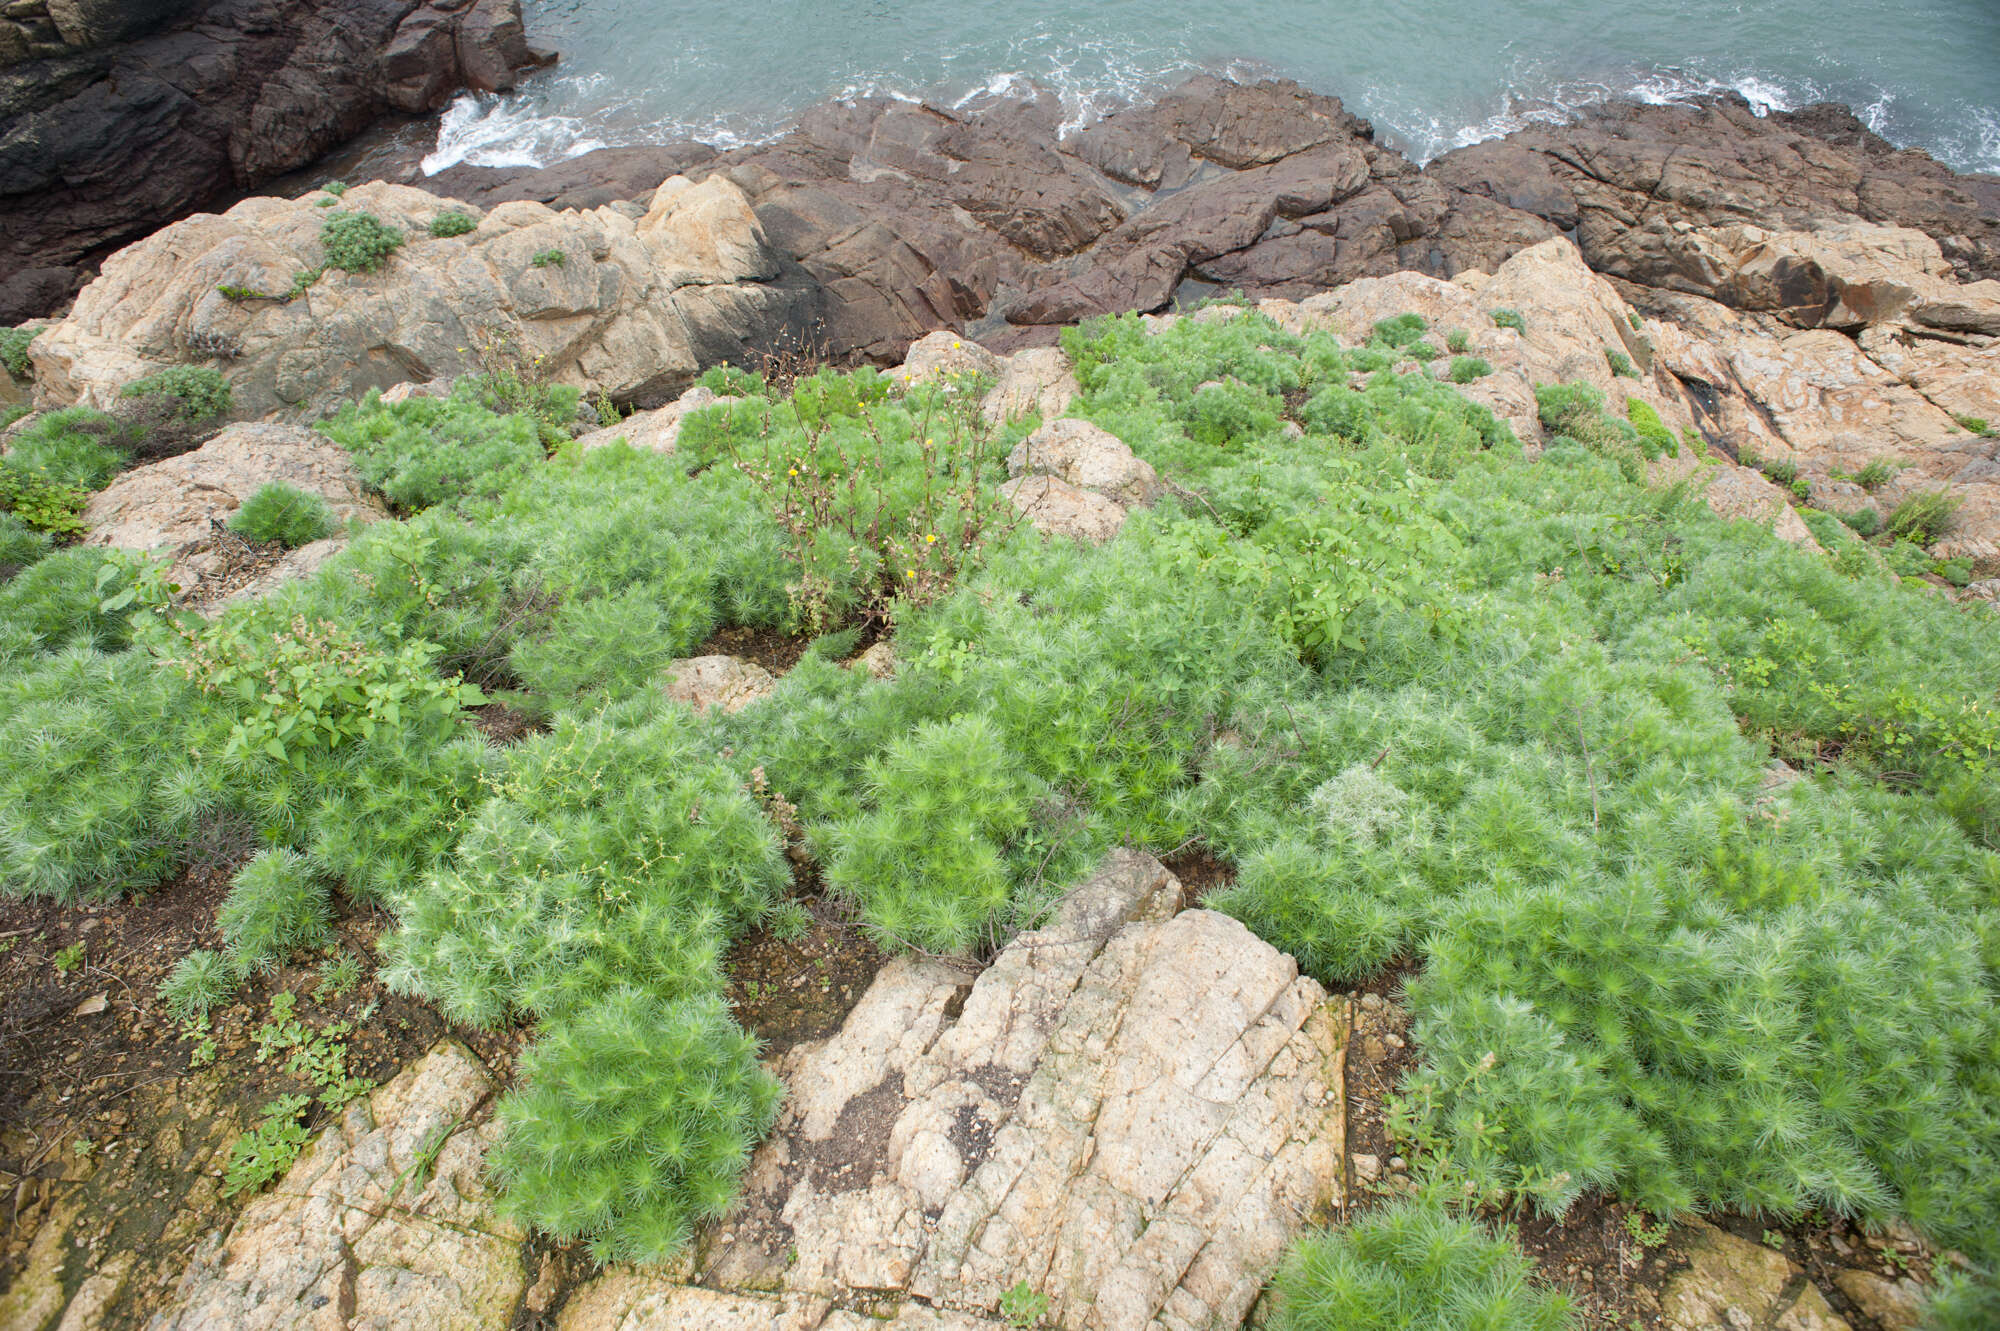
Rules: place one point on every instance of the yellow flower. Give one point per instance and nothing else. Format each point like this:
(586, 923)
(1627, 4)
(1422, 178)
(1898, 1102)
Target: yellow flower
(955, 346)
(909, 573)
(794, 471)
(930, 540)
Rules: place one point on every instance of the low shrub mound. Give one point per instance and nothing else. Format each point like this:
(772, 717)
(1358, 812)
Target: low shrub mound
(357, 242)
(284, 514)
(1509, 719)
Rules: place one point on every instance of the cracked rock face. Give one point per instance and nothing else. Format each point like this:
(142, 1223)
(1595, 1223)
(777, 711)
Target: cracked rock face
(385, 1222)
(1132, 1110)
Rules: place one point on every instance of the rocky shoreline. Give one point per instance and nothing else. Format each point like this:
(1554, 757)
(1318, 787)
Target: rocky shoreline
(914, 217)
(119, 116)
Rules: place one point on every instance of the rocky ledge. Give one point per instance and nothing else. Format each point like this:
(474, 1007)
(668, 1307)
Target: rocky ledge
(915, 217)
(119, 115)
(1132, 1110)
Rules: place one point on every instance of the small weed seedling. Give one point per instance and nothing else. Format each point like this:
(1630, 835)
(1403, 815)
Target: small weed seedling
(1023, 1306)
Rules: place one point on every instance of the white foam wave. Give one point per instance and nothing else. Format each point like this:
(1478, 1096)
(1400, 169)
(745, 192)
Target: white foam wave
(1092, 79)
(1535, 101)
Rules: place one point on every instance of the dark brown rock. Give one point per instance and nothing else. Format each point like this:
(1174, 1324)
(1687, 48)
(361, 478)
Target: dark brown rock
(589, 180)
(493, 45)
(420, 63)
(103, 145)
(1624, 176)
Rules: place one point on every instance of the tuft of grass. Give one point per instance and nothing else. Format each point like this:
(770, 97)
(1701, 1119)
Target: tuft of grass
(1413, 1263)
(1878, 473)
(1458, 341)
(1621, 364)
(1924, 517)
(76, 446)
(285, 514)
(1465, 369)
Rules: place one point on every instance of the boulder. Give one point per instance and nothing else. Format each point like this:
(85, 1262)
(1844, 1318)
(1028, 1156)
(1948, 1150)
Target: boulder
(386, 1220)
(634, 306)
(1088, 457)
(1055, 507)
(1895, 1305)
(728, 682)
(658, 430)
(1036, 382)
(944, 355)
(167, 505)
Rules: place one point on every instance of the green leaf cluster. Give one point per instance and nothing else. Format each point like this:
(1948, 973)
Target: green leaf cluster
(357, 242)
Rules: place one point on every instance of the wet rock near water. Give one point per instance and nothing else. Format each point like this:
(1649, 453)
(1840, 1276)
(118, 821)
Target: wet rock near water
(116, 116)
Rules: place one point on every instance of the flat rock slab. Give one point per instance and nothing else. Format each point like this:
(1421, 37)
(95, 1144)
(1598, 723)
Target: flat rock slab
(165, 505)
(385, 1222)
(1131, 1110)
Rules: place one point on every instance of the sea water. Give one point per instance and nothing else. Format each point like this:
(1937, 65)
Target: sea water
(1431, 74)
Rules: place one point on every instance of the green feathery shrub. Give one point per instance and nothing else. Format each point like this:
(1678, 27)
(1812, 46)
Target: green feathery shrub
(1413, 1263)
(1400, 331)
(634, 1120)
(59, 601)
(452, 222)
(357, 242)
(1655, 439)
(275, 907)
(1621, 364)
(1509, 319)
(1864, 522)
(199, 983)
(14, 349)
(926, 862)
(426, 450)
(1465, 369)
(73, 447)
(197, 392)
(1575, 412)
(100, 791)
(285, 514)
(1458, 341)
